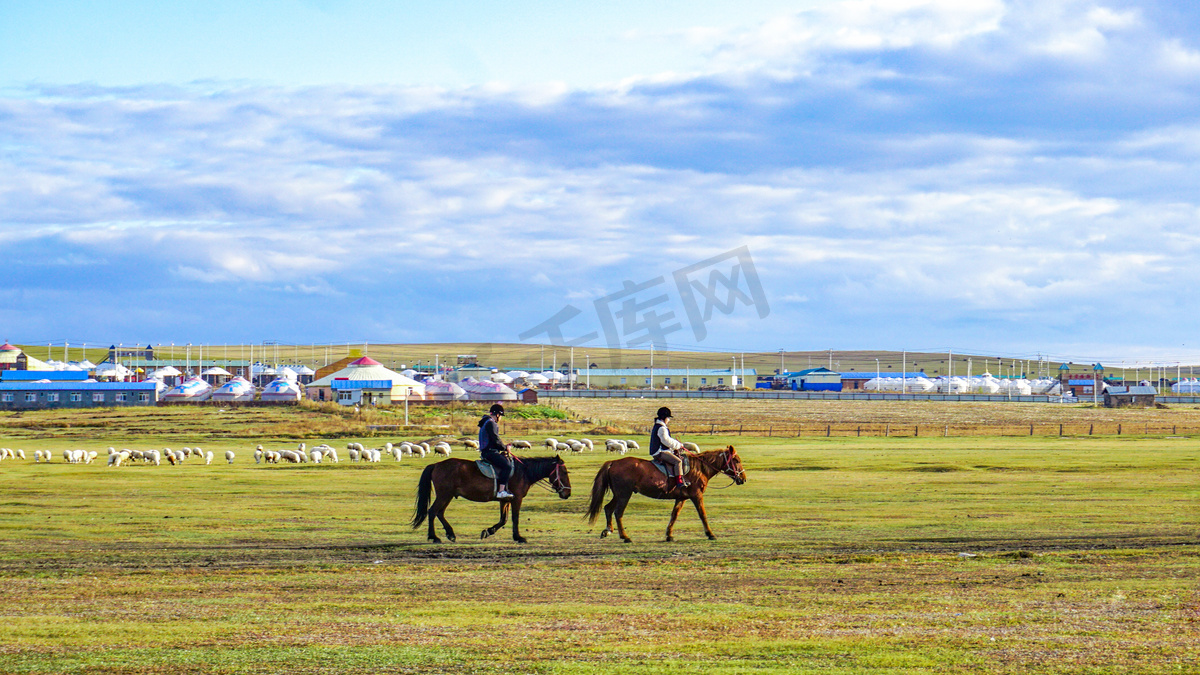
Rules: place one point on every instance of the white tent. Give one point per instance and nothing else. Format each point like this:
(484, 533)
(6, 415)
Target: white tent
(501, 378)
(191, 390)
(281, 390)
(166, 371)
(112, 370)
(237, 389)
(289, 374)
(437, 390)
(536, 378)
(305, 370)
(488, 391)
(215, 370)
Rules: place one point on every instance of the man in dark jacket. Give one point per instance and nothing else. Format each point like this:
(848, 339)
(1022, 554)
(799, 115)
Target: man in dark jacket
(493, 451)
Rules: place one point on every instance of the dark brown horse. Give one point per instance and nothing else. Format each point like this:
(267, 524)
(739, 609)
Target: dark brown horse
(461, 478)
(628, 475)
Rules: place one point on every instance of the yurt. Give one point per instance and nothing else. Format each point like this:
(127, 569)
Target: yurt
(237, 389)
(281, 390)
(482, 390)
(365, 380)
(191, 390)
(436, 390)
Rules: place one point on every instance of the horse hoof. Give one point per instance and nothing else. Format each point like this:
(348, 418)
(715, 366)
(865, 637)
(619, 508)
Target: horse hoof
(712, 537)
(485, 534)
(604, 533)
(519, 540)
(670, 538)
(434, 540)
(627, 540)
(451, 538)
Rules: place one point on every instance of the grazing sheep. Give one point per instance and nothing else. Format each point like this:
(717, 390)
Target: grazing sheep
(91, 457)
(525, 445)
(289, 456)
(302, 449)
(353, 454)
(442, 449)
(208, 458)
(114, 459)
(67, 456)
(551, 443)
(332, 455)
(258, 455)
(136, 454)
(37, 456)
(425, 447)
(78, 456)
(315, 455)
(633, 445)
(561, 447)
(187, 452)
(575, 445)
(616, 445)
(171, 457)
(475, 444)
(688, 445)
(588, 442)
(155, 457)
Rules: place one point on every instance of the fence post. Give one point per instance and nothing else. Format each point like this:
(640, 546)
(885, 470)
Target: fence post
(828, 429)
(1118, 429)
(740, 427)
(916, 431)
(712, 430)
(946, 432)
(1030, 429)
(1091, 428)
(1060, 430)
(769, 430)
(887, 430)
(859, 432)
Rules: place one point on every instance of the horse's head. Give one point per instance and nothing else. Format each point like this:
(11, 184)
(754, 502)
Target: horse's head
(560, 480)
(732, 466)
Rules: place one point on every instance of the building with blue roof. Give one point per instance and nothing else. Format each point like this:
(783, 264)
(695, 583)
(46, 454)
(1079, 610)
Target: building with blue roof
(22, 395)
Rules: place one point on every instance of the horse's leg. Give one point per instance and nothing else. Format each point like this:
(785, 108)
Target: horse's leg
(503, 519)
(621, 501)
(698, 500)
(439, 508)
(516, 516)
(608, 516)
(674, 515)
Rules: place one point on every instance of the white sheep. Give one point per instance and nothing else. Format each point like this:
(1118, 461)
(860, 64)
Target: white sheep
(289, 456)
(258, 455)
(352, 454)
(332, 455)
(187, 452)
(551, 443)
(442, 449)
(588, 442)
(37, 456)
(91, 457)
(616, 445)
(475, 444)
(115, 459)
(633, 445)
(575, 445)
(561, 447)
(66, 456)
(425, 448)
(525, 445)
(154, 457)
(208, 457)
(78, 456)
(316, 455)
(688, 445)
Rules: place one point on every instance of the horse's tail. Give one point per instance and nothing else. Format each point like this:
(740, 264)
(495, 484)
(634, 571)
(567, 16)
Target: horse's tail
(424, 491)
(601, 485)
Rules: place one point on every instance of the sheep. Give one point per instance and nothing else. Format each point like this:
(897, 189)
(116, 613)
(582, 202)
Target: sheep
(91, 457)
(551, 443)
(633, 445)
(575, 445)
(588, 442)
(136, 454)
(208, 457)
(154, 457)
(474, 445)
(615, 445)
(115, 459)
(690, 446)
(171, 457)
(524, 445)
(272, 457)
(561, 447)
(187, 452)
(442, 449)
(258, 455)
(67, 456)
(425, 448)
(289, 456)
(37, 456)
(302, 449)
(353, 454)
(199, 453)
(316, 455)
(78, 456)
(332, 455)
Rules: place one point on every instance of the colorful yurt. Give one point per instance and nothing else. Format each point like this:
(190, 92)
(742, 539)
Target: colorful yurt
(237, 389)
(437, 390)
(482, 390)
(368, 381)
(281, 390)
(191, 390)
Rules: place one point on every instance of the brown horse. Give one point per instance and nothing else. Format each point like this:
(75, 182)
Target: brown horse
(628, 475)
(461, 478)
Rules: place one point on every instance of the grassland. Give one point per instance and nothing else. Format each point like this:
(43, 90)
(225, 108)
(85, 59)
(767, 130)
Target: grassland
(845, 555)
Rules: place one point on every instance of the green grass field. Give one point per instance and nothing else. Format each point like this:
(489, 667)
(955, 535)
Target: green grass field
(842, 555)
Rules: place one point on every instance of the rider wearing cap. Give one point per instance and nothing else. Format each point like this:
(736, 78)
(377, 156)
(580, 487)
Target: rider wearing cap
(493, 451)
(663, 448)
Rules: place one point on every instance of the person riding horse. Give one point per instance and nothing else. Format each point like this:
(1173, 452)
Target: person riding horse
(663, 449)
(493, 451)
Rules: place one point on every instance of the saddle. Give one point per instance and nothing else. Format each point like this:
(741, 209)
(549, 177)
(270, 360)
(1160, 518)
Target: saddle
(488, 471)
(684, 469)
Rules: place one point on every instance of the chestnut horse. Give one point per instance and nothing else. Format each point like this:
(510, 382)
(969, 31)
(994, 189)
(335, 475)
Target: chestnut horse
(461, 478)
(628, 475)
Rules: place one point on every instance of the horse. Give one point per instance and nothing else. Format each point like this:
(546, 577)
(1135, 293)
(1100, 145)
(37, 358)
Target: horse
(628, 475)
(461, 478)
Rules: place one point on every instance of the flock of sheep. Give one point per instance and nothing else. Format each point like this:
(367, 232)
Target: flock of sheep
(355, 452)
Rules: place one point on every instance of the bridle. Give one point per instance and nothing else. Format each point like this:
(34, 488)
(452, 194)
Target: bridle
(727, 467)
(555, 480)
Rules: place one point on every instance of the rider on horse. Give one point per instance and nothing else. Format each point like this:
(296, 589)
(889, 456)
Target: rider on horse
(493, 451)
(663, 448)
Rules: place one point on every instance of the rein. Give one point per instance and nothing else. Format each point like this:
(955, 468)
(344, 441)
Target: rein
(724, 470)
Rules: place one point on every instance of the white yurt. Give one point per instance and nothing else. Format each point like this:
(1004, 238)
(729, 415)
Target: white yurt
(502, 378)
(237, 389)
(191, 390)
(281, 390)
(478, 390)
(437, 390)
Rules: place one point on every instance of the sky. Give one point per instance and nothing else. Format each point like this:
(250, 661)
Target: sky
(999, 177)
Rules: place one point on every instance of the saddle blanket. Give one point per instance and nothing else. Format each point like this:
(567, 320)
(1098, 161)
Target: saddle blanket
(687, 465)
(488, 471)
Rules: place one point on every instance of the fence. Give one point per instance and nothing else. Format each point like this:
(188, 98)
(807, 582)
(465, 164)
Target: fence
(892, 430)
(771, 394)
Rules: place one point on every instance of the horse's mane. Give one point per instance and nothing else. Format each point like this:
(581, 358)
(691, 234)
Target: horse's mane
(709, 457)
(530, 466)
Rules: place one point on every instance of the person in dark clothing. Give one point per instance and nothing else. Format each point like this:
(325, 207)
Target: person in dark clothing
(493, 450)
(663, 448)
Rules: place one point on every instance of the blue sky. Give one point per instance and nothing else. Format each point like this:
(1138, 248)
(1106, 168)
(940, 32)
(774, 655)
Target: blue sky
(990, 176)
